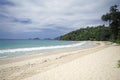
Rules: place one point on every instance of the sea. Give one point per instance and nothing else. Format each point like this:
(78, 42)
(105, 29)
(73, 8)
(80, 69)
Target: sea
(16, 48)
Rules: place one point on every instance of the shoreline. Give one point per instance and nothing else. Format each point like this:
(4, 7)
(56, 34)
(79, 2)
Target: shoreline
(43, 54)
(41, 49)
(25, 67)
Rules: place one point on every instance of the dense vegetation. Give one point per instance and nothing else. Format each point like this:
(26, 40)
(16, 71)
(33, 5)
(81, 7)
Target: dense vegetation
(90, 33)
(119, 64)
(100, 33)
(113, 17)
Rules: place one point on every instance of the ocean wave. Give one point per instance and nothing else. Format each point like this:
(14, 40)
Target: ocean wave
(40, 48)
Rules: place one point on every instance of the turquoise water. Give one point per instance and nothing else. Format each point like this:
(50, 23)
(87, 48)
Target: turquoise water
(15, 48)
(11, 44)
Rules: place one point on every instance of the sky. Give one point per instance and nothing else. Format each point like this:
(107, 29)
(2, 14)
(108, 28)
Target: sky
(23, 19)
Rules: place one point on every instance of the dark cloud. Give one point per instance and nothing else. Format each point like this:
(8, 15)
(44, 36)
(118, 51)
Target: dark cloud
(6, 2)
(22, 21)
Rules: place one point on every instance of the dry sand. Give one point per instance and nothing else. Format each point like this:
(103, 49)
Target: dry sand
(97, 63)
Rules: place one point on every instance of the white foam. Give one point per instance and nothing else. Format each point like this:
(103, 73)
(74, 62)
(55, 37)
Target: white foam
(40, 48)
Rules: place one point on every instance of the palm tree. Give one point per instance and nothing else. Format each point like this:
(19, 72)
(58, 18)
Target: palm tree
(113, 17)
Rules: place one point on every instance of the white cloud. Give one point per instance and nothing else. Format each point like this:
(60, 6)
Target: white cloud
(64, 13)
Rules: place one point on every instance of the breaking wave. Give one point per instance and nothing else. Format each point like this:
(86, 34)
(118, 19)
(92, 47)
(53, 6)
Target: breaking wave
(40, 48)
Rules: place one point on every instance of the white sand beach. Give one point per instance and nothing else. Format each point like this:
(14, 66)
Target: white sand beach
(96, 63)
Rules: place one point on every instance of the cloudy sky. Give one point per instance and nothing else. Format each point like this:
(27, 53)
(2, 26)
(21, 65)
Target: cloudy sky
(20, 19)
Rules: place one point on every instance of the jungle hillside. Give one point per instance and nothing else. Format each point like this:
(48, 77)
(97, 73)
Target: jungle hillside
(101, 32)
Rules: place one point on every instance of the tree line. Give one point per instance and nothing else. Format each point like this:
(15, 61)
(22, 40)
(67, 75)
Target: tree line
(99, 33)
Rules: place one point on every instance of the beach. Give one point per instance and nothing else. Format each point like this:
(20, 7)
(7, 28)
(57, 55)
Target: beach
(93, 63)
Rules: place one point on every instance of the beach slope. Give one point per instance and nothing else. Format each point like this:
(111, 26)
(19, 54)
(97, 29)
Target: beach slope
(95, 63)
(101, 65)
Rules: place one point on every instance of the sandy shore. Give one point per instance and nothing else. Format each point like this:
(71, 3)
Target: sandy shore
(96, 63)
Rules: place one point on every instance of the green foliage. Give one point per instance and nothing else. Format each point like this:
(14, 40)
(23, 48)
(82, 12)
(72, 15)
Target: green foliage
(99, 33)
(119, 64)
(117, 41)
(114, 21)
